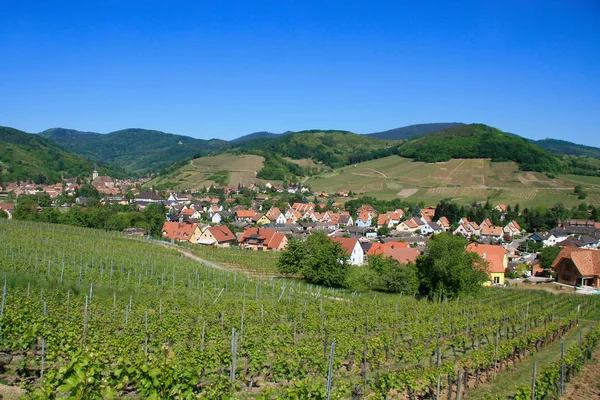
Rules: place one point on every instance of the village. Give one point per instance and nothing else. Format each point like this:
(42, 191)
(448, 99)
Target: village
(258, 218)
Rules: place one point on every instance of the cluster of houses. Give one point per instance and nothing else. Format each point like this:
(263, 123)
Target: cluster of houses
(200, 222)
(576, 233)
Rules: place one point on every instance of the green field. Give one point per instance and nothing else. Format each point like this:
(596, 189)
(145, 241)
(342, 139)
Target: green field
(106, 316)
(464, 181)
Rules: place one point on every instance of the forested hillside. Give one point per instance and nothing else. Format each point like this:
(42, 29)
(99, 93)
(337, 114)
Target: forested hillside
(138, 151)
(413, 130)
(480, 141)
(24, 156)
(568, 148)
(332, 148)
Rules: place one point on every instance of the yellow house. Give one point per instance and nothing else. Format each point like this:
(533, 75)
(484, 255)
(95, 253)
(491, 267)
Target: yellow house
(219, 236)
(497, 259)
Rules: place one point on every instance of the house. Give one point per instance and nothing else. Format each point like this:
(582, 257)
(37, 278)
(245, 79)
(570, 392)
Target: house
(216, 218)
(190, 213)
(547, 238)
(491, 232)
(363, 220)
(403, 255)
(219, 236)
(181, 232)
(263, 220)
(263, 239)
(512, 229)
(345, 220)
(179, 198)
(390, 219)
(444, 223)
(410, 225)
(147, 197)
(356, 255)
(578, 267)
(495, 256)
(428, 213)
(245, 215)
(8, 208)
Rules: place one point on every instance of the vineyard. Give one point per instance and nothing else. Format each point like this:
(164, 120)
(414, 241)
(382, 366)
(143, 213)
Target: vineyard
(93, 314)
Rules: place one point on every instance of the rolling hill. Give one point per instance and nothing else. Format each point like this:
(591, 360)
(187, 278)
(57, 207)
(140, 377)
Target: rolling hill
(479, 141)
(332, 148)
(255, 135)
(463, 180)
(563, 147)
(25, 156)
(413, 130)
(137, 151)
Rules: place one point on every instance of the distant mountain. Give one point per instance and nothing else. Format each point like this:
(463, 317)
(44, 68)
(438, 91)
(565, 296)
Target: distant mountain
(479, 141)
(332, 148)
(25, 156)
(413, 130)
(563, 147)
(135, 150)
(255, 135)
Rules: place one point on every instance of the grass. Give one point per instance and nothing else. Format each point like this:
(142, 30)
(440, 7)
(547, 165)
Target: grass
(507, 382)
(463, 180)
(253, 262)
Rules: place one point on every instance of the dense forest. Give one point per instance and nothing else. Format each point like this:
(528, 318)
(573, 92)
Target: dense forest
(138, 151)
(481, 141)
(27, 157)
(567, 148)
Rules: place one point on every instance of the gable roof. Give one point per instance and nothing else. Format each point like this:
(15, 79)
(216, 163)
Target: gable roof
(178, 231)
(493, 254)
(221, 233)
(587, 261)
(347, 244)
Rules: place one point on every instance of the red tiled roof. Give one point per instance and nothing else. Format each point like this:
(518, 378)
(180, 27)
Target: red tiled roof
(403, 255)
(587, 261)
(178, 231)
(347, 244)
(494, 255)
(221, 233)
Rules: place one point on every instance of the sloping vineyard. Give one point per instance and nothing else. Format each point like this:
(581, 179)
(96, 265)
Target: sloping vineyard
(93, 314)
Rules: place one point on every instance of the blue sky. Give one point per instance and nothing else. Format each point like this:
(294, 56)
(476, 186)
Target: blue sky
(225, 69)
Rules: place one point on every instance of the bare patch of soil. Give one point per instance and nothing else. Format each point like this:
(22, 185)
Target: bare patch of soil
(586, 384)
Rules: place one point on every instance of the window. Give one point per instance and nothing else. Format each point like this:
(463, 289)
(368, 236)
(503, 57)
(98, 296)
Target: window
(496, 279)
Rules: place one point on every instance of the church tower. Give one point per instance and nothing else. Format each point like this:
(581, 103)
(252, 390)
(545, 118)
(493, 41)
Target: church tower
(95, 173)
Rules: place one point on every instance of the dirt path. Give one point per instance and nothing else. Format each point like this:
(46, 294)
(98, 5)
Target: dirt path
(378, 172)
(586, 384)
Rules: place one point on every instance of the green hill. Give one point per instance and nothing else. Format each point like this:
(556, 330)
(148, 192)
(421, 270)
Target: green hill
(413, 130)
(137, 151)
(563, 147)
(332, 148)
(25, 156)
(480, 141)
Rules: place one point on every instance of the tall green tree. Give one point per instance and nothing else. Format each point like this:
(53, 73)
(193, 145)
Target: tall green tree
(446, 270)
(548, 255)
(318, 259)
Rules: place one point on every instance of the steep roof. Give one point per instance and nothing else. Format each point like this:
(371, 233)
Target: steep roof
(178, 231)
(490, 253)
(587, 261)
(347, 244)
(221, 233)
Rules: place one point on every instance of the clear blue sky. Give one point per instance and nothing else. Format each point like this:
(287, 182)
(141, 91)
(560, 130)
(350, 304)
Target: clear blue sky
(225, 69)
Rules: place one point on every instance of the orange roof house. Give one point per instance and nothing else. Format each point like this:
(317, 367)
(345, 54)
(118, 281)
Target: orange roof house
(181, 232)
(263, 239)
(495, 256)
(403, 255)
(219, 235)
(576, 267)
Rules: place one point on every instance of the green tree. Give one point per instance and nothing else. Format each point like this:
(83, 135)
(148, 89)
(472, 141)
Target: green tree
(446, 270)
(580, 192)
(3, 214)
(393, 277)
(548, 255)
(318, 259)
